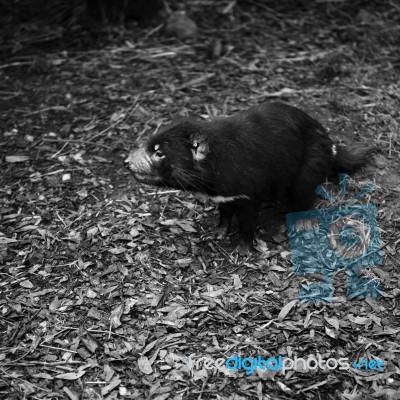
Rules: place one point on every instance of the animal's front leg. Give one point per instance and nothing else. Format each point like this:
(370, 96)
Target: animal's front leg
(225, 219)
(246, 214)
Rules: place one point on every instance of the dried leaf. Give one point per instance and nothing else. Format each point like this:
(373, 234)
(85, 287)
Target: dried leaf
(111, 386)
(26, 284)
(90, 343)
(16, 159)
(72, 395)
(359, 320)
(286, 309)
(116, 315)
(333, 321)
(71, 376)
(55, 304)
(187, 226)
(144, 365)
(237, 283)
(42, 375)
(330, 332)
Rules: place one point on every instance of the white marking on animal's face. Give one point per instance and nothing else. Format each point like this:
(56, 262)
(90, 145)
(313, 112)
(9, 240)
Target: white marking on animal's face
(227, 199)
(144, 161)
(156, 147)
(139, 161)
(334, 151)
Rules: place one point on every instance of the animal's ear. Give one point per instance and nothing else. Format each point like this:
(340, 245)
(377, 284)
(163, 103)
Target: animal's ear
(199, 146)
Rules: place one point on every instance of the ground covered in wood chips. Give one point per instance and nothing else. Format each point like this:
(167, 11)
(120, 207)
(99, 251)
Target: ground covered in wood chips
(112, 289)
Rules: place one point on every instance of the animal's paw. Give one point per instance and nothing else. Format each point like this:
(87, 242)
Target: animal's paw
(245, 249)
(222, 232)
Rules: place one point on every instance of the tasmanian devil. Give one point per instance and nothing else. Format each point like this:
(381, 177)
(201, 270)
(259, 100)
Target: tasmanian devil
(269, 152)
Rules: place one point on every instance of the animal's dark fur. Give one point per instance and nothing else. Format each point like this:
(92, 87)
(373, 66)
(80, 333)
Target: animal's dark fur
(267, 153)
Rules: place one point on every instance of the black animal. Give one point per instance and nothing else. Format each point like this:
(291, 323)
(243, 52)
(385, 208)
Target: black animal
(269, 152)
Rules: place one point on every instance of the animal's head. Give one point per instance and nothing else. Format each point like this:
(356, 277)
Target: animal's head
(171, 157)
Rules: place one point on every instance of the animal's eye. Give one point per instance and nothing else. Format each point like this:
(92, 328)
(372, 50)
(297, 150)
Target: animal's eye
(159, 154)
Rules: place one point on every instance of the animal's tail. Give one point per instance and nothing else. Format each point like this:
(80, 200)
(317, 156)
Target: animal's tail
(350, 160)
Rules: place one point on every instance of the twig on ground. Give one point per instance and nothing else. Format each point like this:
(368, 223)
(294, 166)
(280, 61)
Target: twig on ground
(54, 108)
(78, 141)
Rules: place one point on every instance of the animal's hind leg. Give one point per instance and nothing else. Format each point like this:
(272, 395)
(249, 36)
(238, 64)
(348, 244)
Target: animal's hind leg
(313, 173)
(302, 196)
